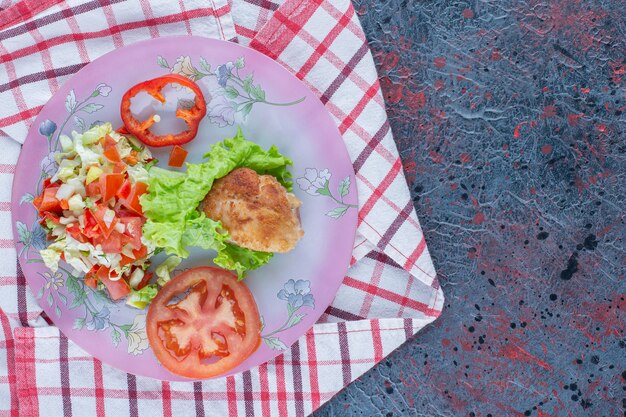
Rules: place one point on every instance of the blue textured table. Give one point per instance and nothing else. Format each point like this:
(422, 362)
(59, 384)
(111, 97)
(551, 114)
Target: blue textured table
(510, 118)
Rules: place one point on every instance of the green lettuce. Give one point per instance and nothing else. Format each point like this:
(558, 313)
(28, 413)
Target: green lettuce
(167, 266)
(141, 298)
(240, 260)
(173, 220)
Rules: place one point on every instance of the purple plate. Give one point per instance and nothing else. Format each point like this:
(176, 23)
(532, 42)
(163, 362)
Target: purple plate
(242, 88)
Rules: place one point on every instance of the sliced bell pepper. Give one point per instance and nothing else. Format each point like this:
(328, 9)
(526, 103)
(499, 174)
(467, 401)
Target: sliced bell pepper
(141, 129)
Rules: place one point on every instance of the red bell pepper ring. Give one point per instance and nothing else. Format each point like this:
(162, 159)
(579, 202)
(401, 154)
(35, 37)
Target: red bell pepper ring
(141, 129)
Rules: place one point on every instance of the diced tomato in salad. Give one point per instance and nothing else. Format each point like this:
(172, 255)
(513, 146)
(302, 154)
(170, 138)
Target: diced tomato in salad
(132, 201)
(110, 184)
(117, 286)
(177, 156)
(92, 211)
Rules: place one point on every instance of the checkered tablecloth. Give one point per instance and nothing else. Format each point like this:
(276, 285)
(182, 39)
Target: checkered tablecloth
(389, 293)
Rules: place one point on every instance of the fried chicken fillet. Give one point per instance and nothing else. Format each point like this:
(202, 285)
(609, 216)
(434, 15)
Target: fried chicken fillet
(257, 211)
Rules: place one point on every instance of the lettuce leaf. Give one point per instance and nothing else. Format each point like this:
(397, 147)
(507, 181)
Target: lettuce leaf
(240, 260)
(141, 298)
(164, 270)
(173, 221)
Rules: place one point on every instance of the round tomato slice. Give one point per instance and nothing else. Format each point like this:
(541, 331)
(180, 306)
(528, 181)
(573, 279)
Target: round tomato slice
(203, 323)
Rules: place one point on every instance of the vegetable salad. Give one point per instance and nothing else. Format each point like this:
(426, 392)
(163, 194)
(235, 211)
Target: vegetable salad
(92, 213)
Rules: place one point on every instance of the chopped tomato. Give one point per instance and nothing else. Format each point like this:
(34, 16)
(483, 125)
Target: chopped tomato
(112, 154)
(216, 319)
(118, 288)
(49, 216)
(132, 202)
(145, 280)
(91, 228)
(177, 156)
(109, 142)
(93, 189)
(110, 184)
(113, 243)
(91, 281)
(119, 167)
(126, 260)
(99, 215)
(49, 201)
(75, 232)
(133, 230)
(64, 204)
(37, 202)
(91, 277)
(142, 252)
(121, 213)
(124, 190)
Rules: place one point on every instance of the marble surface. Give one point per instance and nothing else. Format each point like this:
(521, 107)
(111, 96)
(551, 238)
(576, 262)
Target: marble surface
(510, 117)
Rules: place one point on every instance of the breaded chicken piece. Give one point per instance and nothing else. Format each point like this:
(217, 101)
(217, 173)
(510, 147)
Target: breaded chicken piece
(257, 211)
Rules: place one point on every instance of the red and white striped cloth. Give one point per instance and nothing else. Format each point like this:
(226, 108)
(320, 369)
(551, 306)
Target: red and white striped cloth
(389, 293)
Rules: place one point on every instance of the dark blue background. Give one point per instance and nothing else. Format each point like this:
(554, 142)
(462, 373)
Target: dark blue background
(510, 120)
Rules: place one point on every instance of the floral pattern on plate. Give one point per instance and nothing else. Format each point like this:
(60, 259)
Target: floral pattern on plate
(316, 183)
(297, 294)
(231, 95)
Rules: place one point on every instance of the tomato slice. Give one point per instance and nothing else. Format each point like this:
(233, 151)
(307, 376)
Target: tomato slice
(211, 330)
(110, 184)
(177, 156)
(117, 288)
